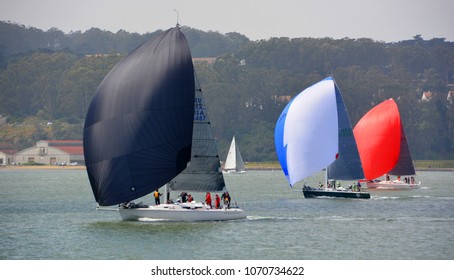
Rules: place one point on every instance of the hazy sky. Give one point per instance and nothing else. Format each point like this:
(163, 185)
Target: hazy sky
(382, 20)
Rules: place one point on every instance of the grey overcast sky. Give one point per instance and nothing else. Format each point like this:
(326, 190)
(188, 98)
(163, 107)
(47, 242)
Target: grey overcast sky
(381, 20)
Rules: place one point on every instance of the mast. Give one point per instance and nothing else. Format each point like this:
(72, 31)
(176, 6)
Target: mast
(178, 17)
(167, 192)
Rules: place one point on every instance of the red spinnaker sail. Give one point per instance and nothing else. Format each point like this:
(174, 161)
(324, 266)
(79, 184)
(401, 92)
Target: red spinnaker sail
(378, 136)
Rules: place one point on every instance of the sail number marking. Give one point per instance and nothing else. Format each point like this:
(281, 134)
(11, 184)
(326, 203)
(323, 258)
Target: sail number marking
(199, 109)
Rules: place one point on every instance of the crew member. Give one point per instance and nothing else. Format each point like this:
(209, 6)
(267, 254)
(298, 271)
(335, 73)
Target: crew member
(208, 199)
(157, 200)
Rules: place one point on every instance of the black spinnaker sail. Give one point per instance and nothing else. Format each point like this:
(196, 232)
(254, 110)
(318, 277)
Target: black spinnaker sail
(138, 129)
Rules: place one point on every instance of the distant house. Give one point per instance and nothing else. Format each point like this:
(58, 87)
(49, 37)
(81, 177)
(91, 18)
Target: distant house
(282, 98)
(52, 152)
(427, 96)
(102, 55)
(450, 96)
(209, 60)
(7, 152)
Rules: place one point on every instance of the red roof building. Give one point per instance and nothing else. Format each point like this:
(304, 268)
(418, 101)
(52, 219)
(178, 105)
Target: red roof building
(60, 152)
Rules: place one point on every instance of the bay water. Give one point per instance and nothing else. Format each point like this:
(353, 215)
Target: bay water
(50, 215)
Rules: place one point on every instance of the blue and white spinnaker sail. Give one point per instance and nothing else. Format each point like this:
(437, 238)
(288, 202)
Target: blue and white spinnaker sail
(306, 133)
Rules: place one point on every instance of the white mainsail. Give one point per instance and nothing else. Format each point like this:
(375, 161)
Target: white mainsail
(234, 161)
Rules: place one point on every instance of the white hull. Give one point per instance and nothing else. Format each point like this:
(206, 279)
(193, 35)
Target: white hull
(187, 212)
(392, 185)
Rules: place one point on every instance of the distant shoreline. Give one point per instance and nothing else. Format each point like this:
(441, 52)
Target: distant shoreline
(42, 167)
(255, 166)
(434, 169)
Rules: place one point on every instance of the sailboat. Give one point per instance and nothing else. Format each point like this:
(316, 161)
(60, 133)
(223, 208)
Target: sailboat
(384, 149)
(147, 127)
(314, 132)
(234, 162)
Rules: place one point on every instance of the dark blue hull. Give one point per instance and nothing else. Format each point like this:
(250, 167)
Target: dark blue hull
(310, 193)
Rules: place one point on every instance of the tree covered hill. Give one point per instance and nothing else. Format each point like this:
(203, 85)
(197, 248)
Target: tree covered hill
(18, 39)
(47, 79)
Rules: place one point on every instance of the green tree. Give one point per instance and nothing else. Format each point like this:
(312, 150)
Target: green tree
(78, 84)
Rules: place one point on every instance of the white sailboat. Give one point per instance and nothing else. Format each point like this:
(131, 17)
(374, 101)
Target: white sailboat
(234, 162)
(147, 127)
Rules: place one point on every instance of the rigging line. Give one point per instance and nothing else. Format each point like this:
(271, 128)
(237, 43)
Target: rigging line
(196, 78)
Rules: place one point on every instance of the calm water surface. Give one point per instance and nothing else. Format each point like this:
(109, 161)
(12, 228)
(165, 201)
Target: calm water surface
(50, 214)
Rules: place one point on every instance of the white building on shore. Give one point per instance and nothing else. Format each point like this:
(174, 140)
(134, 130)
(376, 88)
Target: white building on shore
(6, 154)
(58, 152)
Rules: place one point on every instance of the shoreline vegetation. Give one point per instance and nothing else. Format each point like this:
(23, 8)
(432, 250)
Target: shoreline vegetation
(420, 165)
